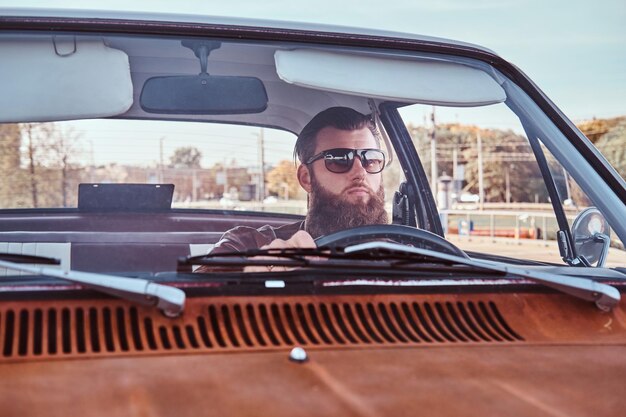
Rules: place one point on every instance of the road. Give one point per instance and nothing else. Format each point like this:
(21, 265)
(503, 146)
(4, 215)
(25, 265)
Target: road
(539, 250)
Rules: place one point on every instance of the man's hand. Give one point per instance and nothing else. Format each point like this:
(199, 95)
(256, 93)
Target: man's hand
(300, 239)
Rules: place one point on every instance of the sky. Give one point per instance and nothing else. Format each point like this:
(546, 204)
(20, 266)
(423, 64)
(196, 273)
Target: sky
(574, 50)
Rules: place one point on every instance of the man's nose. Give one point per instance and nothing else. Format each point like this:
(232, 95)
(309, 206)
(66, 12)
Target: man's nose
(357, 170)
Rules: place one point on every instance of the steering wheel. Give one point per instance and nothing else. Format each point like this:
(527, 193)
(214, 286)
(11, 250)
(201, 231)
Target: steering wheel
(418, 238)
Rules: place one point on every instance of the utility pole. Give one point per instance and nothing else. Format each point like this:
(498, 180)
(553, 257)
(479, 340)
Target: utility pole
(226, 190)
(433, 155)
(92, 162)
(455, 171)
(31, 164)
(261, 153)
(64, 168)
(194, 185)
(161, 160)
(481, 189)
(507, 183)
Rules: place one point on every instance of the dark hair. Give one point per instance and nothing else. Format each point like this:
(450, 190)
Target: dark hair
(343, 118)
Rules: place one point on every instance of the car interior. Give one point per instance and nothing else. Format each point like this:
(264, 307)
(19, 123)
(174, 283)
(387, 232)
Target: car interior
(271, 85)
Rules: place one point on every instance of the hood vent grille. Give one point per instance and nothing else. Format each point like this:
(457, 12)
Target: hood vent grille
(110, 327)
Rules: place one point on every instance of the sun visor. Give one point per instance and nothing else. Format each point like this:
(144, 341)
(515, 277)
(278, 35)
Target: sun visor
(413, 81)
(62, 78)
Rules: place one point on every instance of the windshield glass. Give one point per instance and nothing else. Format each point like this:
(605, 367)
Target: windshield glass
(251, 147)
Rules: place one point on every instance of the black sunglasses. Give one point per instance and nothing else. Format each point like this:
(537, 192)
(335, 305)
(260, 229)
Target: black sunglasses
(340, 160)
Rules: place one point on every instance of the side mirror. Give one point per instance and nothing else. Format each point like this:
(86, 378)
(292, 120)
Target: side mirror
(591, 236)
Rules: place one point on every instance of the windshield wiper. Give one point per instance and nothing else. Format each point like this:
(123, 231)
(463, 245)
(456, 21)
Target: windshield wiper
(284, 257)
(393, 256)
(605, 296)
(21, 258)
(315, 258)
(387, 256)
(170, 300)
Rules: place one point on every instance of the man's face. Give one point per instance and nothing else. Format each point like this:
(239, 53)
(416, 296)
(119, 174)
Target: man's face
(355, 186)
(339, 201)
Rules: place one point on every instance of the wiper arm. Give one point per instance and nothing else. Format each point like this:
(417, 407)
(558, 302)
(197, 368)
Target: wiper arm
(297, 257)
(282, 256)
(21, 258)
(170, 300)
(328, 259)
(394, 256)
(605, 296)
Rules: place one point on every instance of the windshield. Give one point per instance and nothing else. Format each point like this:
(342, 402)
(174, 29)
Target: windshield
(270, 149)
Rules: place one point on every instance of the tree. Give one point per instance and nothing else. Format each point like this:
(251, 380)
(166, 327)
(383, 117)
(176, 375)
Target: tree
(283, 177)
(613, 146)
(186, 157)
(49, 151)
(13, 183)
(10, 141)
(609, 136)
(596, 128)
(29, 130)
(504, 154)
(61, 148)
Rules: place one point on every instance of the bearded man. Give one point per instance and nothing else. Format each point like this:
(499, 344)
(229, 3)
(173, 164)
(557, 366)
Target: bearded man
(341, 171)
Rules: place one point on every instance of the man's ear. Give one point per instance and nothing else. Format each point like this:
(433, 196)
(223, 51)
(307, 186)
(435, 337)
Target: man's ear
(304, 177)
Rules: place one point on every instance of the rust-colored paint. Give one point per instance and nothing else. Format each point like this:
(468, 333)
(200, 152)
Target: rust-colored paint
(533, 354)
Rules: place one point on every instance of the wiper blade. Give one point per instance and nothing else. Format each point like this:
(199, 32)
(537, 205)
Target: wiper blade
(382, 256)
(313, 259)
(21, 258)
(605, 296)
(282, 256)
(170, 300)
(301, 257)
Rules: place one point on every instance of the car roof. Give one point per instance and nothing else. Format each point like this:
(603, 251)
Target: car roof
(296, 106)
(227, 21)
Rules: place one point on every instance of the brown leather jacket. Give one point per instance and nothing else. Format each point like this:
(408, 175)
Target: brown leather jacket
(242, 238)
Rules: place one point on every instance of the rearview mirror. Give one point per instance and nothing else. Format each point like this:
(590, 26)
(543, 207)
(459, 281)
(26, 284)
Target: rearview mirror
(203, 94)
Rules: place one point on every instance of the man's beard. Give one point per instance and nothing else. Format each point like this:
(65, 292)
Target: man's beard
(329, 213)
